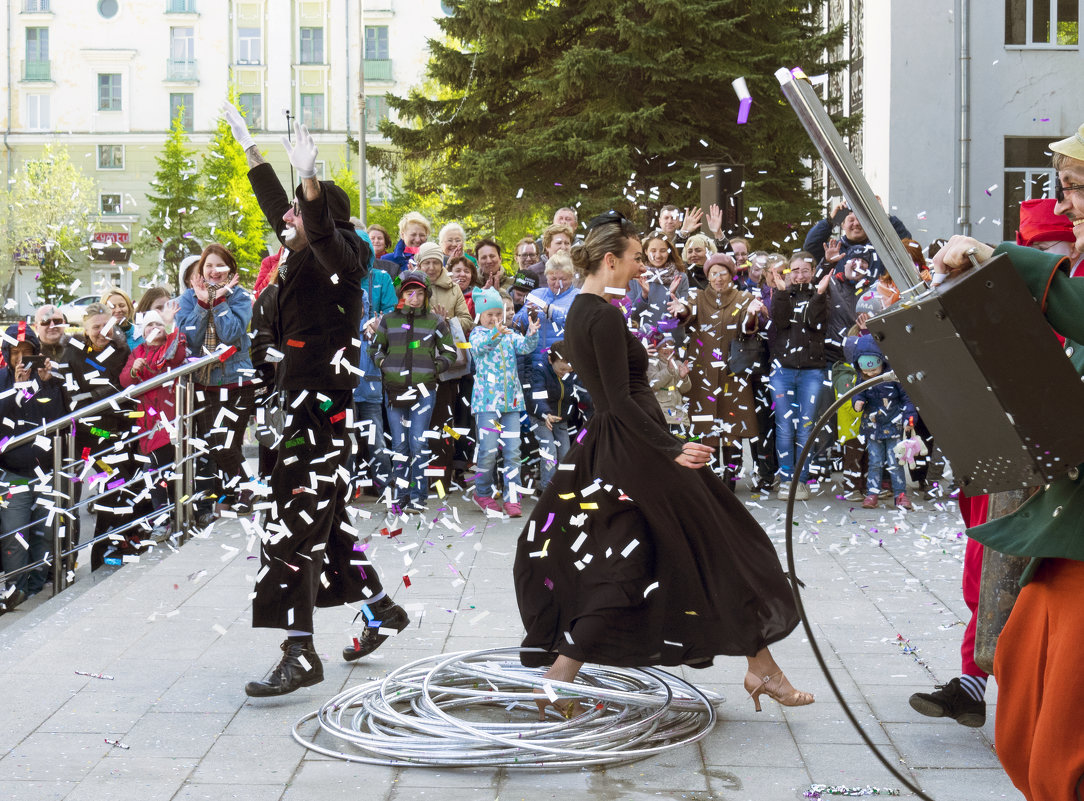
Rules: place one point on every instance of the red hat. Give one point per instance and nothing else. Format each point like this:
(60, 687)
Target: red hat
(1039, 223)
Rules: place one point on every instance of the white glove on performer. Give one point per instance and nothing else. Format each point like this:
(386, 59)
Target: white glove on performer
(302, 152)
(237, 125)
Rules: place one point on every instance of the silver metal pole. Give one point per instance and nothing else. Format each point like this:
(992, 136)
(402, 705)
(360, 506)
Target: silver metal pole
(363, 187)
(841, 164)
(59, 528)
(180, 395)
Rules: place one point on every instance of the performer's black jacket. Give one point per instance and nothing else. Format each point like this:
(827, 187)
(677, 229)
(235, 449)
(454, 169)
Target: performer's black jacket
(319, 297)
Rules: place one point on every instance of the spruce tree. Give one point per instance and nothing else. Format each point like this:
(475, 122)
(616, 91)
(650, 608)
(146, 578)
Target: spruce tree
(229, 211)
(616, 103)
(170, 227)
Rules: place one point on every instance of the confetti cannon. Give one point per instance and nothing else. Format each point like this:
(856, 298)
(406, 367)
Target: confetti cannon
(964, 350)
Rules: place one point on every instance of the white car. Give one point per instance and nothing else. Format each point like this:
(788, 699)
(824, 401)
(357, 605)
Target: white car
(73, 311)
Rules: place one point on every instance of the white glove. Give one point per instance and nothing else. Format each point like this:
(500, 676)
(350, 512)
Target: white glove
(303, 152)
(237, 125)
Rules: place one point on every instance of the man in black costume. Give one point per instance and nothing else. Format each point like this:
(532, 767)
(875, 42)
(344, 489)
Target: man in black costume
(310, 556)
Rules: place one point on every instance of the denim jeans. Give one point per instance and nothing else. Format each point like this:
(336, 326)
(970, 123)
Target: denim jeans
(408, 426)
(552, 447)
(23, 516)
(881, 457)
(489, 440)
(379, 462)
(795, 392)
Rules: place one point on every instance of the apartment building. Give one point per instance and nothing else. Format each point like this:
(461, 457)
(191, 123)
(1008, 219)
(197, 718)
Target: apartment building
(105, 78)
(959, 101)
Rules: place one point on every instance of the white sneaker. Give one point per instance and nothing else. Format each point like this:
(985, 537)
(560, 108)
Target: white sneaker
(784, 490)
(802, 492)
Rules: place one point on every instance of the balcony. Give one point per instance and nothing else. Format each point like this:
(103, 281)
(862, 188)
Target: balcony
(378, 69)
(37, 71)
(181, 69)
(180, 6)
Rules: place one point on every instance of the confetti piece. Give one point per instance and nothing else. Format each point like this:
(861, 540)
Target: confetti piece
(94, 675)
(745, 100)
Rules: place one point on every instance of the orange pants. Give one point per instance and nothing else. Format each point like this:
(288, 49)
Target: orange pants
(1040, 702)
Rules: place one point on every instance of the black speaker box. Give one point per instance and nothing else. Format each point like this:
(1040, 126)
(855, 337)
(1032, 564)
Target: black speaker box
(722, 184)
(988, 376)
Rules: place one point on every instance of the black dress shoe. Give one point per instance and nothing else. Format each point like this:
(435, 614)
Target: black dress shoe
(950, 701)
(394, 617)
(13, 600)
(299, 667)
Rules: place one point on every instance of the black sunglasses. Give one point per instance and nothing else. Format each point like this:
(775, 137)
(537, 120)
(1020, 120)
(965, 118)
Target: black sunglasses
(1059, 190)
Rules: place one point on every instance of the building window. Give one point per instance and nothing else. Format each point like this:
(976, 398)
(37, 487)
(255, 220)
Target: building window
(312, 45)
(110, 203)
(37, 113)
(182, 6)
(1037, 23)
(108, 8)
(181, 103)
(376, 42)
(1028, 175)
(110, 157)
(32, 6)
(249, 46)
(109, 91)
(252, 106)
(376, 111)
(312, 112)
(37, 54)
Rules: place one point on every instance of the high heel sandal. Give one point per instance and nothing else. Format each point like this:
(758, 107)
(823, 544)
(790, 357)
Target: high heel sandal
(756, 686)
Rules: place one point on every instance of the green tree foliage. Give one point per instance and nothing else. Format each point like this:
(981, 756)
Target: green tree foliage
(50, 206)
(169, 228)
(614, 103)
(228, 209)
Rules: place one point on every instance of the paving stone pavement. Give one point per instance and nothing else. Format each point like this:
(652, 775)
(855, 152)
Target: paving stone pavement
(883, 592)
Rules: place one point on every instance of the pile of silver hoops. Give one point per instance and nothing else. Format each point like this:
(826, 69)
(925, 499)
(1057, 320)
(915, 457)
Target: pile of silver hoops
(478, 708)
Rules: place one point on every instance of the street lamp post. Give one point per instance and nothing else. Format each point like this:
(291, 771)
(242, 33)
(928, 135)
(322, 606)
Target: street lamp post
(363, 193)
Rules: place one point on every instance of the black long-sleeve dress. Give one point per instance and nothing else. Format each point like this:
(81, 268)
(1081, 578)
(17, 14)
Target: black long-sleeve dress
(630, 559)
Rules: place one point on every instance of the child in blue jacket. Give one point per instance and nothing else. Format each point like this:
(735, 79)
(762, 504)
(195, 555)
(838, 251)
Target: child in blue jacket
(887, 418)
(497, 399)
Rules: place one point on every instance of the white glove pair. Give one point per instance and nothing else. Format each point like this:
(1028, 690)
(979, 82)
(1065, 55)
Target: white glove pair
(302, 154)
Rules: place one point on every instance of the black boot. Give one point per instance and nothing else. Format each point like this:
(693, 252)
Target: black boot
(299, 667)
(394, 617)
(950, 701)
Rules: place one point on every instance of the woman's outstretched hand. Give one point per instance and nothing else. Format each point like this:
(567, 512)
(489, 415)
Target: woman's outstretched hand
(694, 455)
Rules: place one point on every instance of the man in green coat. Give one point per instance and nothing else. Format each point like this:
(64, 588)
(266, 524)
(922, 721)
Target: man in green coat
(1040, 740)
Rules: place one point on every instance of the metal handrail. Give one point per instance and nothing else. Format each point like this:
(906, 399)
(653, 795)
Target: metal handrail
(128, 393)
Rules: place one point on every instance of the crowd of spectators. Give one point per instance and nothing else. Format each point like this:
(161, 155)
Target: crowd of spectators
(462, 384)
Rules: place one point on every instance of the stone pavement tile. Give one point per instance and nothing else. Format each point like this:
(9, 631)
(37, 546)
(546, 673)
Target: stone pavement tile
(826, 722)
(194, 791)
(451, 778)
(897, 669)
(321, 779)
(850, 765)
(183, 637)
(930, 745)
(680, 767)
(272, 716)
(139, 674)
(36, 790)
(179, 734)
(568, 783)
(108, 714)
(249, 759)
(766, 783)
(129, 778)
(969, 783)
(54, 757)
(446, 794)
(743, 743)
(203, 690)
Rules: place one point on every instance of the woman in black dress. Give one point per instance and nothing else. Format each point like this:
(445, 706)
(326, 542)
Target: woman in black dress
(634, 555)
